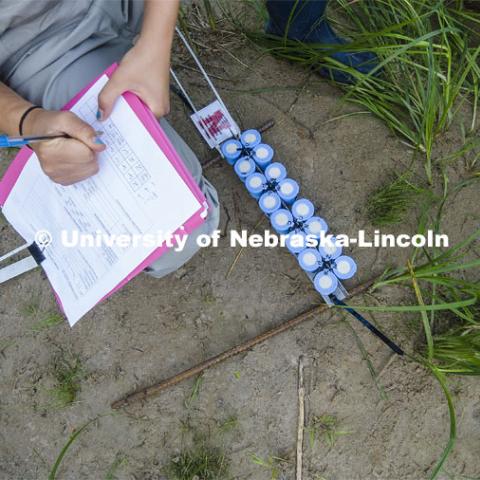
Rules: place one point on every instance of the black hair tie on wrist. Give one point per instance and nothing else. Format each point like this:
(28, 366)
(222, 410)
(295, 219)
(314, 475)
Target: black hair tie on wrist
(24, 116)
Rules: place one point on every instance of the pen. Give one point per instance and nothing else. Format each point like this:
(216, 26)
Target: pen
(6, 141)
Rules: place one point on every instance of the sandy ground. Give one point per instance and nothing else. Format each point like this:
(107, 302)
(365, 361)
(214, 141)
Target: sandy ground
(155, 328)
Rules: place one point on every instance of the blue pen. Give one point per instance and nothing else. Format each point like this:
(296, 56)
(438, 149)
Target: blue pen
(6, 141)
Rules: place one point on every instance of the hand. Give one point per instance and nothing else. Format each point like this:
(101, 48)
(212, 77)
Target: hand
(144, 71)
(64, 160)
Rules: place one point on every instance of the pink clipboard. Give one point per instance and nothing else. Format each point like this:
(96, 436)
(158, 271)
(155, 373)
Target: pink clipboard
(152, 125)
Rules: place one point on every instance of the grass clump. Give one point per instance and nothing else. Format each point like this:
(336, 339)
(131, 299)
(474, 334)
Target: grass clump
(327, 428)
(426, 70)
(274, 464)
(391, 203)
(458, 351)
(43, 319)
(444, 287)
(49, 320)
(199, 463)
(68, 374)
(228, 425)
(441, 289)
(119, 461)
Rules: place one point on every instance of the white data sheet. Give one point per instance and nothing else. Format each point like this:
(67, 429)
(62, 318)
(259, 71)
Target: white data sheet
(137, 191)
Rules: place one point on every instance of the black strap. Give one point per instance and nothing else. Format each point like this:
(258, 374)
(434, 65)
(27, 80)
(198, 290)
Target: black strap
(371, 327)
(24, 116)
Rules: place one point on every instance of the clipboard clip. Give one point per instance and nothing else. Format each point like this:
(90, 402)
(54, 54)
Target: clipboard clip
(36, 252)
(24, 265)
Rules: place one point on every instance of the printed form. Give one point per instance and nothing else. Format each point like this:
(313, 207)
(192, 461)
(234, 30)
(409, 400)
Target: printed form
(137, 191)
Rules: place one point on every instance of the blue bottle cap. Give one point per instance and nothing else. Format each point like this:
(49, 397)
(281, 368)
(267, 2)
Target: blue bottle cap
(250, 138)
(281, 220)
(329, 250)
(244, 167)
(231, 150)
(269, 202)
(325, 282)
(315, 226)
(275, 171)
(255, 183)
(309, 259)
(302, 209)
(262, 154)
(288, 190)
(344, 267)
(296, 241)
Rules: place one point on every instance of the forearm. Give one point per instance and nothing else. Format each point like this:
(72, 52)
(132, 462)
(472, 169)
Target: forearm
(159, 19)
(12, 107)
(145, 69)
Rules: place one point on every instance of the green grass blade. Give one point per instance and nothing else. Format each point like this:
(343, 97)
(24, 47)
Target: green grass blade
(425, 320)
(453, 422)
(53, 473)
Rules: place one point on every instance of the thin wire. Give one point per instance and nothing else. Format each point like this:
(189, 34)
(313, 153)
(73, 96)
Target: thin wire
(189, 100)
(181, 96)
(200, 66)
(184, 92)
(195, 111)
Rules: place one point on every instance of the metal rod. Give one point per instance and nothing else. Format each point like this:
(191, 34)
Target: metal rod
(148, 392)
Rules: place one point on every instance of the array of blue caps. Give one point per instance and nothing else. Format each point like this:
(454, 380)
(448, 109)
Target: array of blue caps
(278, 197)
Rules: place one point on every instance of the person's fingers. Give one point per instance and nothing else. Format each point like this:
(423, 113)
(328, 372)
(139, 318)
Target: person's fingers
(70, 176)
(75, 153)
(68, 161)
(82, 174)
(106, 98)
(80, 130)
